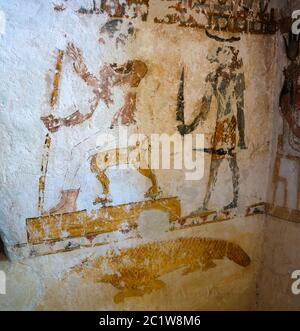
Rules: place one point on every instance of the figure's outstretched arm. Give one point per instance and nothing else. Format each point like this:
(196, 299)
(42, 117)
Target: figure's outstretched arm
(54, 123)
(239, 94)
(202, 113)
(80, 67)
(78, 118)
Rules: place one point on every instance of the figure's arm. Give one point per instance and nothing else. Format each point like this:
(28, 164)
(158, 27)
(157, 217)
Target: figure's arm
(239, 94)
(78, 118)
(203, 111)
(80, 67)
(54, 123)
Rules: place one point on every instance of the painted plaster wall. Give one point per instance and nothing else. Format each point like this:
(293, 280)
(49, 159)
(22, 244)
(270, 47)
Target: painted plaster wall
(39, 283)
(280, 259)
(25, 90)
(281, 253)
(34, 33)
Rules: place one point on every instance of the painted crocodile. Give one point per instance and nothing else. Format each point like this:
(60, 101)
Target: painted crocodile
(136, 271)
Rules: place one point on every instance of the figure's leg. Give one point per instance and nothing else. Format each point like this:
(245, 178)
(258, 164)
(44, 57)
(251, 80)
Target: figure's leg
(235, 182)
(153, 191)
(141, 163)
(103, 179)
(214, 168)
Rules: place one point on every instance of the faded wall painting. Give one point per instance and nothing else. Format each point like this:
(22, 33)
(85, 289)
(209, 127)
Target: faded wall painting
(227, 85)
(285, 200)
(136, 271)
(114, 69)
(111, 75)
(221, 15)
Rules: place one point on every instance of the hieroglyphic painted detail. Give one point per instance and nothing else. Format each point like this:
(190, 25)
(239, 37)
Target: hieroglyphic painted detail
(137, 271)
(118, 8)
(104, 220)
(198, 218)
(230, 16)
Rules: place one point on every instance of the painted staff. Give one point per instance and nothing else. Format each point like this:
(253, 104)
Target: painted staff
(47, 143)
(180, 100)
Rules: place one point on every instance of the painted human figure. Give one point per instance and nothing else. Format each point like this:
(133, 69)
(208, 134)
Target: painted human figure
(129, 75)
(288, 147)
(290, 105)
(227, 85)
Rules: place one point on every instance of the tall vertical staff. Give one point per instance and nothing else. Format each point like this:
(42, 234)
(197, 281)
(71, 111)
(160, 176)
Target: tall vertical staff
(47, 143)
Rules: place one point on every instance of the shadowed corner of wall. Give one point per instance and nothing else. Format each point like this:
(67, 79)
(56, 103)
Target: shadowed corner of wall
(3, 256)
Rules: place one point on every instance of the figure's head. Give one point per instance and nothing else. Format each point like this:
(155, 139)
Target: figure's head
(116, 30)
(225, 56)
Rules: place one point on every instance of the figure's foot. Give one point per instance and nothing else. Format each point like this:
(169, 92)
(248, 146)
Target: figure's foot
(153, 193)
(200, 210)
(67, 202)
(102, 200)
(232, 205)
(203, 208)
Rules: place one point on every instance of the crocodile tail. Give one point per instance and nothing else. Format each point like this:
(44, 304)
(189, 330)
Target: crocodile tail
(237, 255)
